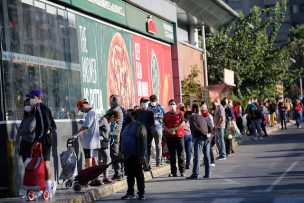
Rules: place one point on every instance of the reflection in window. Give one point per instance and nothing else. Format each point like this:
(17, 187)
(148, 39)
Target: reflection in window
(45, 44)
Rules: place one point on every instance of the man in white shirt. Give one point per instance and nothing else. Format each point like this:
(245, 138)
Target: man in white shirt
(89, 133)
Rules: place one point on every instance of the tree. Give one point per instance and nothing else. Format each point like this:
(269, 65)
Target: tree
(190, 86)
(248, 48)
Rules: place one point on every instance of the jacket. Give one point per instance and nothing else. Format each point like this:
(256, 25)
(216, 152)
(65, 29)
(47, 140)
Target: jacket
(201, 125)
(48, 123)
(27, 129)
(140, 139)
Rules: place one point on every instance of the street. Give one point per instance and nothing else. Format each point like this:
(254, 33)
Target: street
(269, 170)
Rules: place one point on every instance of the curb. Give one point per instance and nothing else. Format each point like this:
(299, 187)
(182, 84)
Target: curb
(97, 193)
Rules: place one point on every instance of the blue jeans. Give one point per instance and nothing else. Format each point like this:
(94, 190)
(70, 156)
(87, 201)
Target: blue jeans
(200, 145)
(297, 116)
(220, 143)
(256, 126)
(157, 135)
(188, 148)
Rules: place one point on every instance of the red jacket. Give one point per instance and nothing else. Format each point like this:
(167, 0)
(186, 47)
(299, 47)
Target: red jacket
(172, 121)
(297, 108)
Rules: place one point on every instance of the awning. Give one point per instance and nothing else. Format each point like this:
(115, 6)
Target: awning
(214, 13)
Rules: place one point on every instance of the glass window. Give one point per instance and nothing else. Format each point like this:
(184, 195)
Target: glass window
(302, 8)
(44, 49)
(295, 9)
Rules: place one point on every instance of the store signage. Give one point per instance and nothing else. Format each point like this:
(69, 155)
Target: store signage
(151, 27)
(127, 15)
(109, 6)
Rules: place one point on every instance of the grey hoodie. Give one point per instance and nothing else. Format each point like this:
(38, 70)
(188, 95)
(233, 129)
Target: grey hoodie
(115, 105)
(27, 129)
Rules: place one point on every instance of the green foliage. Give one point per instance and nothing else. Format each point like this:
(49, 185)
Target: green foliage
(190, 86)
(248, 48)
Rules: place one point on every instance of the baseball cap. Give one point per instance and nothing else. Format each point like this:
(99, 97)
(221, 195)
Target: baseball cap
(143, 100)
(34, 92)
(80, 102)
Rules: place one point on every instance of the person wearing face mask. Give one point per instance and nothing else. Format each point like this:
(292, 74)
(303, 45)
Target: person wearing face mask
(219, 125)
(174, 132)
(116, 128)
(44, 132)
(27, 130)
(157, 129)
(134, 150)
(104, 130)
(146, 117)
(201, 127)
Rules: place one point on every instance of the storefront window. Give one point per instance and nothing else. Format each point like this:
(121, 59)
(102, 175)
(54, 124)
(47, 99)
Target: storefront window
(42, 52)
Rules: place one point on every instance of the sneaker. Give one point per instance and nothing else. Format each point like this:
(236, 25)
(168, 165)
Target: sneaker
(205, 176)
(141, 197)
(127, 196)
(108, 181)
(172, 175)
(221, 158)
(192, 177)
(96, 182)
(183, 175)
(261, 138)
(117, 177)
(212, 164)
(255, 138)
(300, 126)
(187, 167)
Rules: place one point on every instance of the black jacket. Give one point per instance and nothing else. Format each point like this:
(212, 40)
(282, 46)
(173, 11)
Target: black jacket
(49, 124)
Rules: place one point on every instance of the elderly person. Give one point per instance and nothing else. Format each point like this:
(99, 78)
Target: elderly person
(201, 127)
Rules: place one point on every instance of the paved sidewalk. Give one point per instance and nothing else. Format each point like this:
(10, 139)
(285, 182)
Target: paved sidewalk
(96, 193)
(93, 193)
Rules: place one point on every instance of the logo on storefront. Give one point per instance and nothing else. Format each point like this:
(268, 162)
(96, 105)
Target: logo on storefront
(151, 27)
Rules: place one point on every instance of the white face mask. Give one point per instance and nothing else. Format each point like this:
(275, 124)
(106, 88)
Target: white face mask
(172, 107)
(153, 103)
(145, 105)
(33, 102)
(27, 108)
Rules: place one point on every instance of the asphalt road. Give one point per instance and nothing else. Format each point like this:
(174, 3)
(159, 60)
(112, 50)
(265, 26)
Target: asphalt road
(269, 170)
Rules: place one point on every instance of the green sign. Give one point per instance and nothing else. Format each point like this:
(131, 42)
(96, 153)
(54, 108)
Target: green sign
(113, 10)
(127, 15)
(137, 19)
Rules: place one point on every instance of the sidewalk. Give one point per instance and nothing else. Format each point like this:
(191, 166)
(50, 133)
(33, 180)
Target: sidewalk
(93, 193)
(96, 193)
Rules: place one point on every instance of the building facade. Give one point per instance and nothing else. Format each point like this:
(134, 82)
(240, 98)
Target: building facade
(72, 50)
(92, 49)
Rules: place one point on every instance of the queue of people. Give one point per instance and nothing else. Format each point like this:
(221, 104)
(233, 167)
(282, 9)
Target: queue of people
(124, 137)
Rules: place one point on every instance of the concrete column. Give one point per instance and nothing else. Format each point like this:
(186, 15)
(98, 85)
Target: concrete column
(205, 55)
(193, 36)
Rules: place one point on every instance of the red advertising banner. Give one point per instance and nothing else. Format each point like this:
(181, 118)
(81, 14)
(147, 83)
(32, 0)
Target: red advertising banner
(153, 69)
